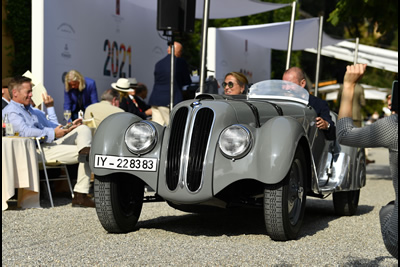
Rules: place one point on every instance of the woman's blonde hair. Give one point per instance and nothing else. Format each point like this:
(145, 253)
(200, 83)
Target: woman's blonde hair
(74, 75)
(240, 77)
(122, 95)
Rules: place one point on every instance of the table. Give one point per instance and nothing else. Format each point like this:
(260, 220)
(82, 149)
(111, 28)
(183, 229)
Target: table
(20, 169)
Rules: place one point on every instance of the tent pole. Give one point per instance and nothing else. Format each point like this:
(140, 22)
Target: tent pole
(356, 51)
(37, 47)
(171, 96)
(290, 41)
(321, 22)
(206, 11)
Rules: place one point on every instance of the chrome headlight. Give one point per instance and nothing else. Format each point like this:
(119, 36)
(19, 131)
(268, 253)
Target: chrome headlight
(140, 137)
(235, 141)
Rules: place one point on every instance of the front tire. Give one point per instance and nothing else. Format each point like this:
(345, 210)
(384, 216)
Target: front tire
(284, 206)
(119, 201)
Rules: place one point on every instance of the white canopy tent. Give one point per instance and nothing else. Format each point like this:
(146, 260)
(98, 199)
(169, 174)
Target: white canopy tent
(221, 9)
(370, 92)
(275, 35)
(372, 56)
(253, 44)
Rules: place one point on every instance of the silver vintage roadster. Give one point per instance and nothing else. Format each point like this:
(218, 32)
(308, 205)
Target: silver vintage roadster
(261, 149)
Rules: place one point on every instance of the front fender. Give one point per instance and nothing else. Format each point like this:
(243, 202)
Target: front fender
(278, 141)
(109, 140)
(269, 159)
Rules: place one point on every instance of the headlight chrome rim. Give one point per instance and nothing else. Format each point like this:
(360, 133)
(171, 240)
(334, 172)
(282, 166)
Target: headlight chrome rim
(239, 147)
(140, 137)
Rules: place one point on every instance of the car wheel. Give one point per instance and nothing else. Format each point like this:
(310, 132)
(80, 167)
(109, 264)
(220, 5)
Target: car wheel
(284, 206)
(361, 173)
(119, 201)
(346, 202)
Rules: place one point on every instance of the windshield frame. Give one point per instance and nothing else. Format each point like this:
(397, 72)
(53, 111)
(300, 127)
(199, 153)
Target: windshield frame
(273, 89)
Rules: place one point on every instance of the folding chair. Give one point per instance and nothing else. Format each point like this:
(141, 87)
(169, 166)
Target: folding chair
(52, 165)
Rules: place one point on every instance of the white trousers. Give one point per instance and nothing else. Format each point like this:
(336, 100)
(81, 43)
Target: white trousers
(66, 150)
(160, 115)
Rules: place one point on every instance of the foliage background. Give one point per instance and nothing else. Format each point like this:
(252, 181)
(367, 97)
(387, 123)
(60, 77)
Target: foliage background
(18, 25)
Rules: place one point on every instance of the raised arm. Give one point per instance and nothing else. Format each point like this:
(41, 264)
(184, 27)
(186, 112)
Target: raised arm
(351, 77)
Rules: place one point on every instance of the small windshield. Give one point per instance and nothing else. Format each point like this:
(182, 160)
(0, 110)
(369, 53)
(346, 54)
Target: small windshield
(278, 89)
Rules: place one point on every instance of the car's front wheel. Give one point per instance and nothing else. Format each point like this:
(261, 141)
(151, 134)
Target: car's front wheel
(119, 201)
(284, 206)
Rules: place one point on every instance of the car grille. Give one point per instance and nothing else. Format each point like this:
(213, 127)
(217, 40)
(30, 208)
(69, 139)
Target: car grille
(175, 147)
(198, 146)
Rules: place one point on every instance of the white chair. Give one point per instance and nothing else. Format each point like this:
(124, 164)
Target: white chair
(45, 164)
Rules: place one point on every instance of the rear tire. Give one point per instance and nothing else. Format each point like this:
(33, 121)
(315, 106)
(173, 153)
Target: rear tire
(284, 207)
(346, 202)
(119, 201)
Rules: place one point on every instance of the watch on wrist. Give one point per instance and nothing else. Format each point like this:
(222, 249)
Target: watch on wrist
(329, 125)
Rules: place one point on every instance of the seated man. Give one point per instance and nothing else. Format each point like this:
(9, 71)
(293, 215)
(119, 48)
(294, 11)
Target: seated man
(324, 121)
(127, 101)
(140, 96)
(68, 146)
(108, 105)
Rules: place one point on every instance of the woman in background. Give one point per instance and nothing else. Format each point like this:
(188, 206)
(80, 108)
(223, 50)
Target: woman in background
(235, 83)
(79, 93)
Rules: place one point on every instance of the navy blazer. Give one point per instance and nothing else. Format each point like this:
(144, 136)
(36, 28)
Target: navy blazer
(322, 109)
(127, 105)
(89, 96)
(160, 96)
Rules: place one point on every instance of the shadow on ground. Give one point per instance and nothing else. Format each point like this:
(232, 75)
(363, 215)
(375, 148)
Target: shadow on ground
(241, 221)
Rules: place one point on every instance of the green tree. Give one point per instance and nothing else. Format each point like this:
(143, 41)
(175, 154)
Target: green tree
(355, 12)
(18, 23)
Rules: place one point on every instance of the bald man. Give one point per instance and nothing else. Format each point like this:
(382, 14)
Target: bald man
(160, 96)
(324, 120)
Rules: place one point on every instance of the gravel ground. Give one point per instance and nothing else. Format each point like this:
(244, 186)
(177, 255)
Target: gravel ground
(66, 236)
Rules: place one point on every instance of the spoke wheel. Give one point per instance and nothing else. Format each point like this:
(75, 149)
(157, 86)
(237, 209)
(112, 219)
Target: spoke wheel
(119, 201)
(284, 206)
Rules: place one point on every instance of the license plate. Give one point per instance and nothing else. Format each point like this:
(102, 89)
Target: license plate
(125, 163)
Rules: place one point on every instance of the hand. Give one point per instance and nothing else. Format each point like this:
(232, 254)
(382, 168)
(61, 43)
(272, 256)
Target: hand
(351, 77)
(77, 122)
(322, 124)
(60, 132)
(354, 73)
(48, 100)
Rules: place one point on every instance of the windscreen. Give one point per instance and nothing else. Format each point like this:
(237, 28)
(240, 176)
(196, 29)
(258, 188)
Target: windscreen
(278, 89)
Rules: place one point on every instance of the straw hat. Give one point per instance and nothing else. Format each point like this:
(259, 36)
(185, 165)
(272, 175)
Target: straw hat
(133, 82)
(122, 85)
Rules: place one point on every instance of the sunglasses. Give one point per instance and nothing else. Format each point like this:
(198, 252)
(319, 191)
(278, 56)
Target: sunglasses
(230, 84)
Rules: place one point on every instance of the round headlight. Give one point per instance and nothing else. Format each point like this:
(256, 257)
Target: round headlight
(140, 137)
(235, 141)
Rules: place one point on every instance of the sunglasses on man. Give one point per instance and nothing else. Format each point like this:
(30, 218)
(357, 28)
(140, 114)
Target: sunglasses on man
(230, 84)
